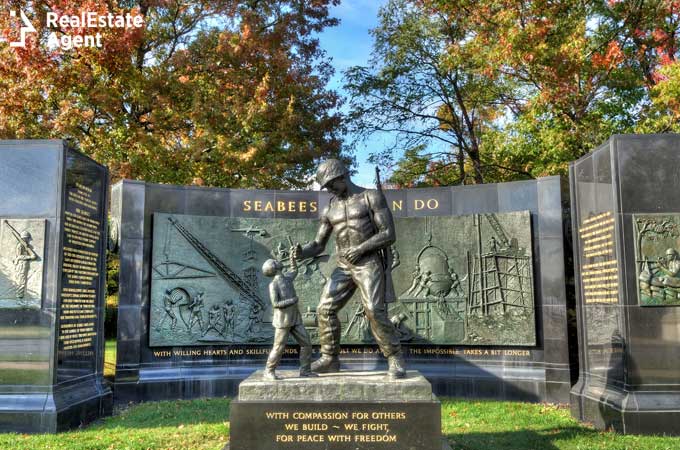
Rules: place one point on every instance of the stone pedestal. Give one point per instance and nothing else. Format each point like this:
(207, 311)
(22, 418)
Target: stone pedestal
(343, 411)
(52, 271)
(626, 221)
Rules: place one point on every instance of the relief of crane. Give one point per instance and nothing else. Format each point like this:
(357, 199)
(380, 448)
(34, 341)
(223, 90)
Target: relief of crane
(247, 290)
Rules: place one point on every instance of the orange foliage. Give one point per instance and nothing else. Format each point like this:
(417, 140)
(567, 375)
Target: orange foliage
(173, 99)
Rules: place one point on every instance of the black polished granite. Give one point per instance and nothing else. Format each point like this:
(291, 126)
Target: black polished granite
(360, 411)
(535, 373)
(45, 387)
(629, 353)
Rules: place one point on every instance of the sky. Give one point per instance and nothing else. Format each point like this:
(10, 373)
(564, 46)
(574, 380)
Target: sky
(350, 44)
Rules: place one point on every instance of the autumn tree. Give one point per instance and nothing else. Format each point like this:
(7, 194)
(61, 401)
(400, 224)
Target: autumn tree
(663, 112)
(563, 77)
(218, 92)
(587, 69)
(414, 87)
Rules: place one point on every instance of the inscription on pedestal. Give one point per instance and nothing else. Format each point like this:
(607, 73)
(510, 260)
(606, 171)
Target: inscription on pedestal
(337, 426)
(342, 411)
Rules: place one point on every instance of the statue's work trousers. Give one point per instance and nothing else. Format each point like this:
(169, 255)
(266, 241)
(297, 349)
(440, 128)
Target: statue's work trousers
(367, 276)
(281, 339)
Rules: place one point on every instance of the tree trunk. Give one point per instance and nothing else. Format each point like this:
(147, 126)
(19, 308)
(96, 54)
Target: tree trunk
(461, 165)
(473, 153)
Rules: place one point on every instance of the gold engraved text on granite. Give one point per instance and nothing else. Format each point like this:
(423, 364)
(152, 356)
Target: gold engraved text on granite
(599, 270)
(80, 267)
(358, 427)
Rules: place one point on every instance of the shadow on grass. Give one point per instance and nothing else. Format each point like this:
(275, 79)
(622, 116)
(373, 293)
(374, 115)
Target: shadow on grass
(169, 414)
(519, 439)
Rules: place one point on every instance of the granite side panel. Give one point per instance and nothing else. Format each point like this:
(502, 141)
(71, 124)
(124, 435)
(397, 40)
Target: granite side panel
(29, 178)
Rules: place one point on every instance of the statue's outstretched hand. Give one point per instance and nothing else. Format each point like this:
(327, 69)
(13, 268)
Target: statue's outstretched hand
(296, 251)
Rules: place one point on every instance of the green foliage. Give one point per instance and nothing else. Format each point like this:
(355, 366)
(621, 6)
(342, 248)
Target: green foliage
(111, 317)
(410, 169)
(663, 114)
(416, 169)
(111, 307)
(223, 93)
(541, 143)
(112, 272)
(413, 87)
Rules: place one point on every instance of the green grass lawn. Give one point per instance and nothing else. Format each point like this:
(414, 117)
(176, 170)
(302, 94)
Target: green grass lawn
(195, 424)
(110, 358)
(489, 425)
(468, 425)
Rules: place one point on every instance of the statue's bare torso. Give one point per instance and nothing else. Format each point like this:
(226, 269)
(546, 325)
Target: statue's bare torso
(351, 220)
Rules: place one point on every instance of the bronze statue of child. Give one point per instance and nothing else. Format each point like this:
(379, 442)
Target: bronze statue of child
(286, 319)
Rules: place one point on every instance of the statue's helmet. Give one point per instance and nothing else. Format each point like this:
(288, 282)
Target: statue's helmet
(672, 252)
(329, 170)
(25, 235)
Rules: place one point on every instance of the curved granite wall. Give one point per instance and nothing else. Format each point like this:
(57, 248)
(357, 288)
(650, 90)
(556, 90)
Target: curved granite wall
(481, 305)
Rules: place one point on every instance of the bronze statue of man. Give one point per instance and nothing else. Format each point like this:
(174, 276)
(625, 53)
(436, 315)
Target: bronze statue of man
(364, 231)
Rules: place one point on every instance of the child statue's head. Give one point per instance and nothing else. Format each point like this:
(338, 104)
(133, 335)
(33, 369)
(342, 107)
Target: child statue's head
(271, 267)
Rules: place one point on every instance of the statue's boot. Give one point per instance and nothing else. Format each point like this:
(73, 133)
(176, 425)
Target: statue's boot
(326, 364)
(306, 361)
(396, 367)
(269, 374)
